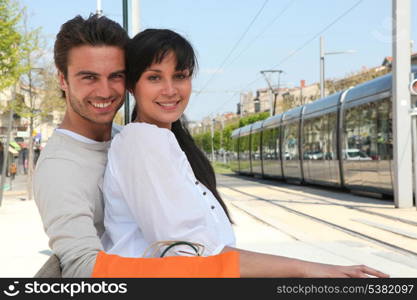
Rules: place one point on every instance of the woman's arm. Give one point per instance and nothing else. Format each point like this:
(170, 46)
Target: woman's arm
(253, 264)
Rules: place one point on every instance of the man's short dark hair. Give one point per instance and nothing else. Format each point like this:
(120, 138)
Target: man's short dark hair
(96, 30)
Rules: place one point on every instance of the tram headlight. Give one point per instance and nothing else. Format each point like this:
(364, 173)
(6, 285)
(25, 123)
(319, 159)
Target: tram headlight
(413, 87)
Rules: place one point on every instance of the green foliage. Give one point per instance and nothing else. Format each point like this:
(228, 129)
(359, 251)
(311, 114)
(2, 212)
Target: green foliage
(203, 141)
(253, 118)
(221, 168)
(10, 43)
(222, 138)
(227, 136)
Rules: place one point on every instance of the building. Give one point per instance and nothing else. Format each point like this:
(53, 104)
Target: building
(286, 98)
(388, 60)
(43, 126)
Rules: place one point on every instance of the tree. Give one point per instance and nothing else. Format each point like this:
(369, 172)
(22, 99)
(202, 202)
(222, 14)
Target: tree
(10, 40)
(40, 84)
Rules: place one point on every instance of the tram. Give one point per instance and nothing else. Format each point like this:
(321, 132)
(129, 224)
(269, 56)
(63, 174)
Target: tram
(342, 141)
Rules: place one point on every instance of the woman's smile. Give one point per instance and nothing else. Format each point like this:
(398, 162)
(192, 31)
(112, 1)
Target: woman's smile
(168, 105)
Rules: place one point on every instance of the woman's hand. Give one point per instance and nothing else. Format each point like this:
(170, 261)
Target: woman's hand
(318, 270)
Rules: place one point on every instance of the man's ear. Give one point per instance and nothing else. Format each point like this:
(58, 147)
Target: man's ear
(62, 82)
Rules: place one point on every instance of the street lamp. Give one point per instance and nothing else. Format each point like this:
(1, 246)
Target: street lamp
(273, 92)
(322, 54)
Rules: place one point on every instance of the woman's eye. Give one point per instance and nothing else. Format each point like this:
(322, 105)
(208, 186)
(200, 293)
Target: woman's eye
(153, 77)
(180, 76)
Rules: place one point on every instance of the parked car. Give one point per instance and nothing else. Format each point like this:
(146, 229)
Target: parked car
(355, 154)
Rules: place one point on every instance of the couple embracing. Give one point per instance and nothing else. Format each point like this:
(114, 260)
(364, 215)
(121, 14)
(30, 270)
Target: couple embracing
(105, 198)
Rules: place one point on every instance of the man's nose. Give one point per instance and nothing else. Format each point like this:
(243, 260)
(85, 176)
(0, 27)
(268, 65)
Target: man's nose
(104, 89)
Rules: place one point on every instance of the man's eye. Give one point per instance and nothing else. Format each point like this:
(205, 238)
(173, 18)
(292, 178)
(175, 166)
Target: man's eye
(89, 77)
(118, 76)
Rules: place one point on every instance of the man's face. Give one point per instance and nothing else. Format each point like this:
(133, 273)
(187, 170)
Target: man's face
(95, 85)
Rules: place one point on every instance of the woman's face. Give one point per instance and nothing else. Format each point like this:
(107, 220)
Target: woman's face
(162, 93)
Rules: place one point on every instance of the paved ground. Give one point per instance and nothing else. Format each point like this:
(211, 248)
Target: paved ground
(25, 247)
(306, 223)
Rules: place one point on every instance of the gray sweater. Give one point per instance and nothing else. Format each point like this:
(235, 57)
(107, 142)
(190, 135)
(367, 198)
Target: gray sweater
(67, 188)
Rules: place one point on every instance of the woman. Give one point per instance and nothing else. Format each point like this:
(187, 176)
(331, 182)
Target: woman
(159, 186)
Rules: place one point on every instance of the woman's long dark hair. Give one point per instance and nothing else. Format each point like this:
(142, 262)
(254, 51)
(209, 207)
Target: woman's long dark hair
(152, 46)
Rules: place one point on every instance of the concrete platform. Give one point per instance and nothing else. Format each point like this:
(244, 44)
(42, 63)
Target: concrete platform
(24, 246)
(320, 225)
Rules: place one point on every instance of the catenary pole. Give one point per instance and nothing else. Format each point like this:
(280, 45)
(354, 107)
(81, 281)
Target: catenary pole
(135, 17)
(322, 91)
(126, 27)
(401, 70)
(99, 11)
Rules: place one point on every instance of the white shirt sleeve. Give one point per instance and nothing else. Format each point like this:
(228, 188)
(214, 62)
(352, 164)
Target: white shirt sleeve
(154, 177)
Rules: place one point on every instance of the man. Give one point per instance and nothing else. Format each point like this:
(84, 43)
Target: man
(89, 55)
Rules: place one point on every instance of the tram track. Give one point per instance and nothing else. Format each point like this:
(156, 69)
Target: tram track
(339, 227)
(409, 222)
(398, 219)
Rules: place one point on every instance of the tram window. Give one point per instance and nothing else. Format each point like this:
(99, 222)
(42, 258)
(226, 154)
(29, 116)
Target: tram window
(291, 142)
(244, 147)
(265, 144)
(276, 137)
(332, 136)
(351, 131)
(324, 136)
(256, 145)
(316, 146)
(368, 132)
(384, 130)
(246, 140)
(234, 148)
(307, 142)
(269, 140)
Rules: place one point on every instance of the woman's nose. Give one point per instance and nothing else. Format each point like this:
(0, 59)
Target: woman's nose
(169, 88)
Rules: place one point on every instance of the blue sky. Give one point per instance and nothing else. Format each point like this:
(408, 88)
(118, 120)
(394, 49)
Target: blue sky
(277, 29)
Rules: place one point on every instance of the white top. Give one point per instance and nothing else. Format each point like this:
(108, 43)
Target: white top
(151, 194)
(77, 136)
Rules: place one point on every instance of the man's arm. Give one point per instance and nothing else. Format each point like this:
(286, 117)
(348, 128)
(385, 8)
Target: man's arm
(68, 215)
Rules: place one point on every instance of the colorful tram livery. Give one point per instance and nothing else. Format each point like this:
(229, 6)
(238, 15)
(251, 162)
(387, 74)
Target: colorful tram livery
(343, 140)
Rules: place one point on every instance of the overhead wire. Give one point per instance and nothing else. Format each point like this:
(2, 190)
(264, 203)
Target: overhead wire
(301, 47)
(233, 48)
(286, 7)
